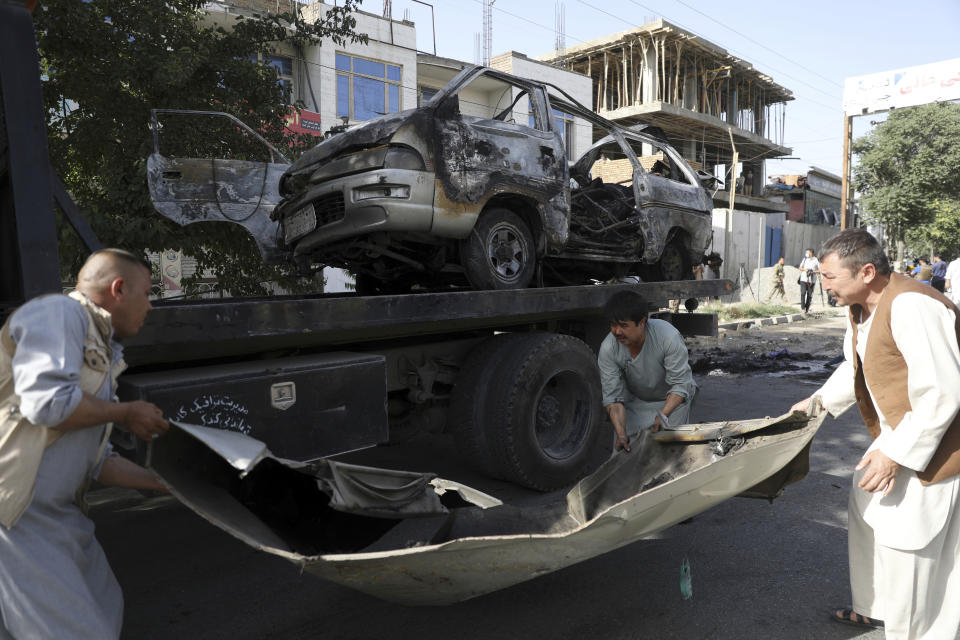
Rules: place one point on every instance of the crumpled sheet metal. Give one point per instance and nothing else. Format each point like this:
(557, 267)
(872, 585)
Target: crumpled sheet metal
(630, 497)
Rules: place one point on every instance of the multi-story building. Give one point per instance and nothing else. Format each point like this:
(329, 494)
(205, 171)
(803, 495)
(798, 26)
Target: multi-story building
(706, 100)
(813, 197)
(348, 83)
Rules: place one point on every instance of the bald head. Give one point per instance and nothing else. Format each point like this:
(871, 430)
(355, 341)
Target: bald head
(118, 282)
(103, 267)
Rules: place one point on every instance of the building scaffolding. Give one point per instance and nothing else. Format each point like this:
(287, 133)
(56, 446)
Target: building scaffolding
(695, 91)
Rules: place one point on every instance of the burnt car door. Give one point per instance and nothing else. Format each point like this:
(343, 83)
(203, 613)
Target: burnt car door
(494, 135)
(210, 166)
(672, 199)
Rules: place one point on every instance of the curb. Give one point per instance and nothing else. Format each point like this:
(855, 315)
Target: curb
(758, 322)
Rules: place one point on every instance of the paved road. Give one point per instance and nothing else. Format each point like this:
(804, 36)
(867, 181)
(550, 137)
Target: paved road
(760, 571)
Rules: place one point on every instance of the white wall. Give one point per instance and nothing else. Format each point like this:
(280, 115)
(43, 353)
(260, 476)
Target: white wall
(576, 84)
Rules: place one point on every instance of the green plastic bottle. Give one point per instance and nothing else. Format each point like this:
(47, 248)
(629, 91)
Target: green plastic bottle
(686, 585)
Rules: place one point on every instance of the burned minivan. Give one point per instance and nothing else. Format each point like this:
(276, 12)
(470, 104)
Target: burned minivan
(459, 191)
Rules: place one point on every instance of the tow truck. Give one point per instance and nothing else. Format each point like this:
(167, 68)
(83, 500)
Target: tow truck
(510, 373)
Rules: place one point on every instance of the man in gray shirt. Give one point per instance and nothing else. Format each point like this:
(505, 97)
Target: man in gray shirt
(644, 370)
(58, 366)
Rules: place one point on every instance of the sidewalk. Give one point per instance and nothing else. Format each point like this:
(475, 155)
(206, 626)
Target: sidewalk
(817, 310)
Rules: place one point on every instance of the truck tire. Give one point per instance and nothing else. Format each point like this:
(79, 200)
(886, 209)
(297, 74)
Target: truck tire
(500, 252)
(544, 411)
(468, 414)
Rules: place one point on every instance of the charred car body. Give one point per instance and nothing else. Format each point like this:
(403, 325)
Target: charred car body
(460, 188)
(457, 186)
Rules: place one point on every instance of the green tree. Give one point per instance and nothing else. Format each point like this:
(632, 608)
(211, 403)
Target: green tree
(908, 170)
(108, 62)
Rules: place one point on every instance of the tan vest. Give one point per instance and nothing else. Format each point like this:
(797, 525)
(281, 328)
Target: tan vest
(21, 443)
(885, 371)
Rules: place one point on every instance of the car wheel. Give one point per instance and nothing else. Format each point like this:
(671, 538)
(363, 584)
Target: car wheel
(500, 252)
(535, 410)
(675, 262)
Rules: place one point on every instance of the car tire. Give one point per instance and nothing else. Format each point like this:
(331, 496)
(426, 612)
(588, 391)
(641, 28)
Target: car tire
(500, 252)
(674, 263)
(543, 422)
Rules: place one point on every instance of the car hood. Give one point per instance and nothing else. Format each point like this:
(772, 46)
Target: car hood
(370, 134)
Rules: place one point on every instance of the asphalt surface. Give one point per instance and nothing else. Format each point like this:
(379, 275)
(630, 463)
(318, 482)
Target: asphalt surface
(759, 570)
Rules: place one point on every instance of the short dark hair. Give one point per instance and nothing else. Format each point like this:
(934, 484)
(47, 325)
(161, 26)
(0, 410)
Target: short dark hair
(856, 248)
(626, 305)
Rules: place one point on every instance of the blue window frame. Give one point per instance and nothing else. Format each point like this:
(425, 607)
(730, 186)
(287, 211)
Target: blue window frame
(366, 88)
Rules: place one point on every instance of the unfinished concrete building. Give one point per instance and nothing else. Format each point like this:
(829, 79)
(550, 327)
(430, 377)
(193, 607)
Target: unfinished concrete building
(705, 99)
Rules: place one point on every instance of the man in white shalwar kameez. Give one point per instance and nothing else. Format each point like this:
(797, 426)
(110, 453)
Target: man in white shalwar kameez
(57, 381)
(902, 367)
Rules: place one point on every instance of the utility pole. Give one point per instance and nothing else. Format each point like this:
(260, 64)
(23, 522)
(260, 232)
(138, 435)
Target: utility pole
(733, 188)
(845, 199)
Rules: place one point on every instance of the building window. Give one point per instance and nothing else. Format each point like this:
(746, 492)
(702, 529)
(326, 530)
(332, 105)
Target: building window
(426, 95)
(366, 89)
(563, 122)
(284, 67)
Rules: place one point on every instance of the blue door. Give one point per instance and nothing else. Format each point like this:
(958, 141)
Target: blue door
(774, 241)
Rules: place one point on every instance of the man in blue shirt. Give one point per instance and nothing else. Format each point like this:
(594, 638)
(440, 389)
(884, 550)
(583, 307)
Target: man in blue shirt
(644, 370)
(939, 269)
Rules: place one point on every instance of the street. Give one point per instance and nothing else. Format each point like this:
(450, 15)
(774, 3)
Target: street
(759, 570)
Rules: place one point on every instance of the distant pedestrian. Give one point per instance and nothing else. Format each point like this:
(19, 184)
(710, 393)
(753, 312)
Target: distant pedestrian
(952, 282)
(778, 281)
(809, 267)
(924, 272)
(939, 268)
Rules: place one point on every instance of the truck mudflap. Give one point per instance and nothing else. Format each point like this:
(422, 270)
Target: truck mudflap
(417, 539)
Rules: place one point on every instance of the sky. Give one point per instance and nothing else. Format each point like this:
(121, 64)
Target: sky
(808, 47)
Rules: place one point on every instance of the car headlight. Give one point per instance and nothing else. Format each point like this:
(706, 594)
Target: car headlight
(351, 163)
(403, 158)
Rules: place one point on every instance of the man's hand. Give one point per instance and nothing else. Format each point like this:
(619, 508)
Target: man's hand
(618, 417)
(144, 420)
(803, 405)
(622, 442)
(656, 424)
(117, 471)
(881, 472)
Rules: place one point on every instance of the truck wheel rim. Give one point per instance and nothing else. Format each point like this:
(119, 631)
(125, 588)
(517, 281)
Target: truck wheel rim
(562, 416)
(506, 251)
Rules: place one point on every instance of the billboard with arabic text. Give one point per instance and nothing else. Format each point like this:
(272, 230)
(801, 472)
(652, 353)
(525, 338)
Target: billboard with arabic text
(935, 82)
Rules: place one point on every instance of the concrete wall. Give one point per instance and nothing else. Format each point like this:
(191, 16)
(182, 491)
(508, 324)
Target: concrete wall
(748, 241)
(798, 236)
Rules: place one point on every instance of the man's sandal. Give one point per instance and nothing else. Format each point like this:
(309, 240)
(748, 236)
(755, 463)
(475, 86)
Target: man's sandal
(851, 617)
